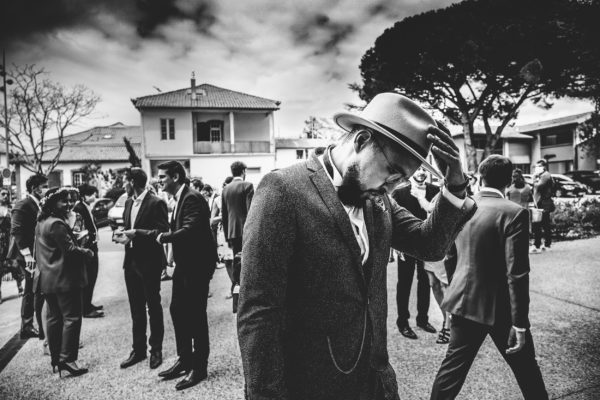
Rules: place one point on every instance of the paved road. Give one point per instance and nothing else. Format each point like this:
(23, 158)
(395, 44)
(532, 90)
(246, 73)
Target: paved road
(565, 314)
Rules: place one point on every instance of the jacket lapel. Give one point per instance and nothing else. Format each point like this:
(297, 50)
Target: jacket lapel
(333, 203)
(178, 209)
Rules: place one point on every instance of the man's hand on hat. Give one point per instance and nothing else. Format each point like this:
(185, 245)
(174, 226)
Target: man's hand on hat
(446, 155)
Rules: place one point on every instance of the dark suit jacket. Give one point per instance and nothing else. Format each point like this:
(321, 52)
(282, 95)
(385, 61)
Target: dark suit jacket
(236, 200)
(88, 220)
(542, 191)
(22, 231)
(304, 291)
(491, 280)
(146, 254)
(194, 247)
(403, 197)
(59, 260)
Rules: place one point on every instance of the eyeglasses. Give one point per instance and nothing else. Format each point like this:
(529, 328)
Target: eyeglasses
(395, 174)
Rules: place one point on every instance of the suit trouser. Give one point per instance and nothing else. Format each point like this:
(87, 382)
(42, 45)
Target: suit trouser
(144, 290)
(31, 304)
(234, 269)
(64, 325)
(406, 271)
(190, 322)
(466, 338)
(91, 266)
(545, 225)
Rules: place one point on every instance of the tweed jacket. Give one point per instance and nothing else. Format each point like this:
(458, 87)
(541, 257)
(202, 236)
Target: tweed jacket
(146, 255)
(60, 262)
(194, 247)
(235, 203)
(308, 308)
(491, 281)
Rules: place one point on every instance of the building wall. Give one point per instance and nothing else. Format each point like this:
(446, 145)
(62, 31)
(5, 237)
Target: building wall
(154, 146)
(287, 157)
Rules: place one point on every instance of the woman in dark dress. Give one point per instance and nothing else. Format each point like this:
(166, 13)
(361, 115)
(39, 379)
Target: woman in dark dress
(61, 277)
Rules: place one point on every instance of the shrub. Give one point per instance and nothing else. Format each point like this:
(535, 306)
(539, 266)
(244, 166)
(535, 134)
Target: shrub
(578, 219)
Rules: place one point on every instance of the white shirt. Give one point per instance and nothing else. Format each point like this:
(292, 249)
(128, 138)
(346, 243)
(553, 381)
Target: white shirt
(177, 198)
(89, 207)
(135, 207)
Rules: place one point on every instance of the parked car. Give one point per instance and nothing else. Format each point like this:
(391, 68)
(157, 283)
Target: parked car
(565, 186)
(115, 214)
(100, 210)
(589, 178)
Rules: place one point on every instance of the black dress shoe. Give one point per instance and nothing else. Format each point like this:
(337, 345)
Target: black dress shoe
(134, 358)
(193, 378)
(94, 314)
(407, 332)
(29, 332)
(98, 308)
(155, 359)
(178, 369)
(427, 327)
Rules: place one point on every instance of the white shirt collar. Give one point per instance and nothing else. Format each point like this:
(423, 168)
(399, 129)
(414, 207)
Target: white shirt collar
(141, 196)
(337, 177)
(178, 194)
(37, 202)
(491, 190)
(238, 178)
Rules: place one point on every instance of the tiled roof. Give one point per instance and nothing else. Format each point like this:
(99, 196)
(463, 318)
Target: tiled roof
(102, 135)
(101, 143)
(208, 97)
(551, 123)
(94, 153)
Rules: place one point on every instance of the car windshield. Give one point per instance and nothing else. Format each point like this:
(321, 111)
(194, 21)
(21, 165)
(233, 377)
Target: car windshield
(121, 201)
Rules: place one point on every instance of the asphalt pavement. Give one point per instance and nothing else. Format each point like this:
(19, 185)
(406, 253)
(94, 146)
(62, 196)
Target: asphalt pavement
(565, 316)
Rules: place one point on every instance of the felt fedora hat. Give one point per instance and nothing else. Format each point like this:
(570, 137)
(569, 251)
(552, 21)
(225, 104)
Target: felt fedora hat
(400, 119)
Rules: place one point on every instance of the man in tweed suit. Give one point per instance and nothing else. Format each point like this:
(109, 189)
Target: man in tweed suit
(313, 302)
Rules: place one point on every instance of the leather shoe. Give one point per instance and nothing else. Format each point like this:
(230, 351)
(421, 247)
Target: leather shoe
(193, 378)
(176, 370)
(133, 359)
(29, 332)
(427, 327)
(155, 359)
(97, 308)
(94, 314)
(407, 332)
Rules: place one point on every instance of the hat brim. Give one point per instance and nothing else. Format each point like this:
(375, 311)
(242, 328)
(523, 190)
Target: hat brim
(348, 121)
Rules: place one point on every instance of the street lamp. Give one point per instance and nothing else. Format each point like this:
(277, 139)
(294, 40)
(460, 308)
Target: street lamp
(4, 89)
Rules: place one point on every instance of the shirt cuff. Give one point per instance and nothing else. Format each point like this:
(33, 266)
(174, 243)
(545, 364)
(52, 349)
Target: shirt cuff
(520, 330)
(158, 238)
(25, 252)
(456, 202)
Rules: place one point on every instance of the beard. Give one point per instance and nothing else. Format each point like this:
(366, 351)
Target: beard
(350, 192)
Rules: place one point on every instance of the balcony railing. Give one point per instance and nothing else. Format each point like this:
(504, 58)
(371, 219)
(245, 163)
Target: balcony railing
(227, 147)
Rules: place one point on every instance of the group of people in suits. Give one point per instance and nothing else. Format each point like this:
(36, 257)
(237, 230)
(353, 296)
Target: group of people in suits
(316, 244)
(147, 229)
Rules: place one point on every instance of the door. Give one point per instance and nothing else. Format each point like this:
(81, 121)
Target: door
(203, 132)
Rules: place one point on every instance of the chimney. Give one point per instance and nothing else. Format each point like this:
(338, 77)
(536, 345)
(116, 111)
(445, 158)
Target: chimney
(193, 84)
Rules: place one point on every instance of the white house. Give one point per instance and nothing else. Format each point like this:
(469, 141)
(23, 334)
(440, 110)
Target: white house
(102, 146)
(207, 128)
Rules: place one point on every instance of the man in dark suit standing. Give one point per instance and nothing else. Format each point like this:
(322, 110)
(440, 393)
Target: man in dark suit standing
(489, 293)
(145, 217)
(313, 300)
(542, 194)
(195, 256)
(408, 196)
(236, 200)
(87, 196)
(23, 222)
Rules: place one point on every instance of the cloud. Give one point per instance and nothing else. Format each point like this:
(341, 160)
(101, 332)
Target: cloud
(27, 18)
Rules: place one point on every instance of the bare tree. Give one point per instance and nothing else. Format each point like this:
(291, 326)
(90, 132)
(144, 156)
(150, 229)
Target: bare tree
(41, 109)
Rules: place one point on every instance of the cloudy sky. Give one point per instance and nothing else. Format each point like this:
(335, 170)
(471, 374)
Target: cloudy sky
(303, 53)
